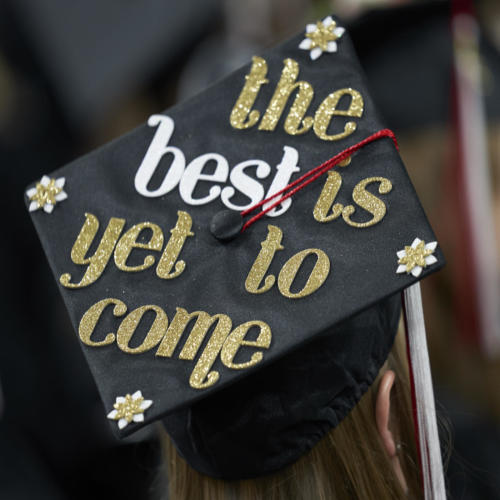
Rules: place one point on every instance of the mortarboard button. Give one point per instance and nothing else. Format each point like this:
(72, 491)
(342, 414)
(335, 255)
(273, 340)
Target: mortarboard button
(226, 225)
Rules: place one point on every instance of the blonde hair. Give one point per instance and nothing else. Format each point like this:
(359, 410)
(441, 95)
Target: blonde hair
(349, 462)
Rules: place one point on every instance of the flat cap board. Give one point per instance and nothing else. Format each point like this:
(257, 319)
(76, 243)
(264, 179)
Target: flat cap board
(161, 305)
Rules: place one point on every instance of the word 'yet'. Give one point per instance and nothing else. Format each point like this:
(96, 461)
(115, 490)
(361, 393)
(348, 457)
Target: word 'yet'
(168, 266)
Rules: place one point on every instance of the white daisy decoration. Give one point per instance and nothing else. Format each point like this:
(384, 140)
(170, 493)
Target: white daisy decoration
(415, 257)
(321, 37)
(129, 409)
(46, 194)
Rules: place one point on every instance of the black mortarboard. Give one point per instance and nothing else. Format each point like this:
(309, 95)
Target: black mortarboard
(94, 53)
(226, 332)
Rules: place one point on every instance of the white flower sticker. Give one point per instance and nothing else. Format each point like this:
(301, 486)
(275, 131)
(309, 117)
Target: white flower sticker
(129, 409)
(321, 37)
(415, 257)
(46, 194)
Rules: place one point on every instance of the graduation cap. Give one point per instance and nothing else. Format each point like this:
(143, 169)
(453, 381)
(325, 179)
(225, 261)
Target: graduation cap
(233, 266)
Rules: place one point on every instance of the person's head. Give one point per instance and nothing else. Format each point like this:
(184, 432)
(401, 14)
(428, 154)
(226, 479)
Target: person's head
(371, 454)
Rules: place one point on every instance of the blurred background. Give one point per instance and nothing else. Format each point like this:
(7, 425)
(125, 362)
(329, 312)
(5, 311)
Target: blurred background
(74, 75)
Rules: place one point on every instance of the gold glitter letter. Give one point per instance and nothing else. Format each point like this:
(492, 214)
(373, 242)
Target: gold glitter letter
(368, 201)
(316, 278)
(91, 317)
(130, 323)
(259, 268)
(98, 261)
(327, 109)
(242, 109)
(174, 246)
(209, 355)
(129, 241)
(327, 197)
(198, 332)
(284, 89)
(236, 339)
